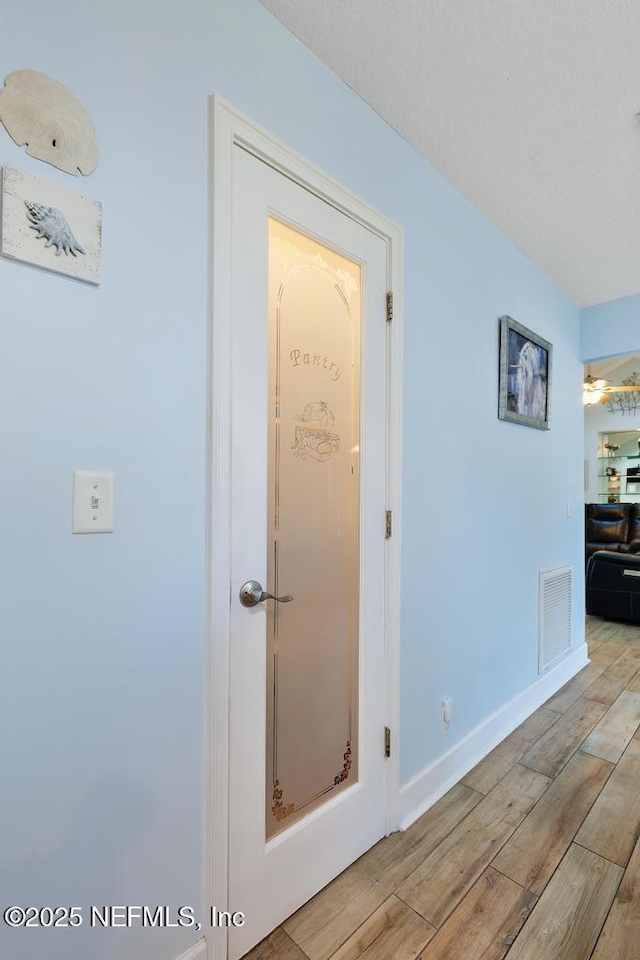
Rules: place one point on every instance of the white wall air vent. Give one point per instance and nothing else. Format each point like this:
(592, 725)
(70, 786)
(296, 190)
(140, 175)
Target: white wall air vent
(556, 587)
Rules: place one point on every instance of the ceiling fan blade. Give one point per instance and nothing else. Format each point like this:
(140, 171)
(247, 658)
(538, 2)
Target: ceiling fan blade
(622, 389)
(593, 383)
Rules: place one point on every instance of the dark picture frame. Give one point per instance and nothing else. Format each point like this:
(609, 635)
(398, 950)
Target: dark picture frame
(525, 375)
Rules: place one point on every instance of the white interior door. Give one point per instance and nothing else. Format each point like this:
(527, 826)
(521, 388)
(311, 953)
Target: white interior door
(308, 449)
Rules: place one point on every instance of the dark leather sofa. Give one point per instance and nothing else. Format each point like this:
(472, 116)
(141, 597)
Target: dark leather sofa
(613, 586)
(613, 527)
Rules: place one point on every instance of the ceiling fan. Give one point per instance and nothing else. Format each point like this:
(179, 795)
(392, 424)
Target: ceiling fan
(598, 390)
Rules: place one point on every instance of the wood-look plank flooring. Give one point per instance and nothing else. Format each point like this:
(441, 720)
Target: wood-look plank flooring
(534, 855)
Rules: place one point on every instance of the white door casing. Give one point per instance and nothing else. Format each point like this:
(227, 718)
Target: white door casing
(270, 880)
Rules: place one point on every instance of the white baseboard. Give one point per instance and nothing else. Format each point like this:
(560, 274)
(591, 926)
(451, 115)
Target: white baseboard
(197, 952)
(423, 790)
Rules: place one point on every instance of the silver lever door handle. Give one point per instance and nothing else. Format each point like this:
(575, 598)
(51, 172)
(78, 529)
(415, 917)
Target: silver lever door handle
(251, 593)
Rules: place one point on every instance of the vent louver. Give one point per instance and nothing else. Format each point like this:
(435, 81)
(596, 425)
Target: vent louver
(555, 616)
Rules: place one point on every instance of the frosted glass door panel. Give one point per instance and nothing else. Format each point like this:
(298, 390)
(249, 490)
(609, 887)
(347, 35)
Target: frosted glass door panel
(313, 537)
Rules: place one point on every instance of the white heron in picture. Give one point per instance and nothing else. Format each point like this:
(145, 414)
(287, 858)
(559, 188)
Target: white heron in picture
(530, 381)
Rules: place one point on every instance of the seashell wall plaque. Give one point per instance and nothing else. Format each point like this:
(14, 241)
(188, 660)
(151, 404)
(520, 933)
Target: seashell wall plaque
(50, 226)
(38, 111)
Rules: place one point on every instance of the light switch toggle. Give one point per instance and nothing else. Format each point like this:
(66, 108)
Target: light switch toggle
(92, 502)
(447, 710)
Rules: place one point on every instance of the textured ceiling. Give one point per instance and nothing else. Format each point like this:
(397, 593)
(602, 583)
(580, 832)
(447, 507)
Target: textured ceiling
(528, 107)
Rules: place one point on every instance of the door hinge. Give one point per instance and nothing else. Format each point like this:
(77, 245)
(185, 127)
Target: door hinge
(387, 742)
(388, 527)
(389, 307)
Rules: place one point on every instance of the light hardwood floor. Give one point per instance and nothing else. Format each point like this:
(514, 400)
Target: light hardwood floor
(534, 855)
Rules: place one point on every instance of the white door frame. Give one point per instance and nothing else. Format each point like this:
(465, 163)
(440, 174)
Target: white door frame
(228, 128)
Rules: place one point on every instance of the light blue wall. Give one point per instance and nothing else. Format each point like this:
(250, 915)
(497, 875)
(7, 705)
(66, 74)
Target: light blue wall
(610, 329)
(103, 637)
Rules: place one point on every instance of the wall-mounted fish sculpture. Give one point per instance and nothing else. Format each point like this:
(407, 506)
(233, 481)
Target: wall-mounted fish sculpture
(49, 222)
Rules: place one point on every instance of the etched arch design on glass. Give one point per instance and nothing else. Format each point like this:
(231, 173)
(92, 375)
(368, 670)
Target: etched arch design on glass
(313, 538)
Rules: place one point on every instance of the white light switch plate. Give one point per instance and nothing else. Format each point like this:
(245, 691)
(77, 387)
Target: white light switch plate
(92, 502)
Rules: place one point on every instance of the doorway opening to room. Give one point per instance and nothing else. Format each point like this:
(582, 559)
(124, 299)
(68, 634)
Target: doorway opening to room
(304, 547)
